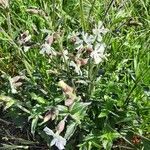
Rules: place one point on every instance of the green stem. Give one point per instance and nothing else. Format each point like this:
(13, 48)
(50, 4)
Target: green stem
(108, 8)
(8, 21)
(82, 16)
(26, 110)
(90, 12)
(53, 14)
(23, 109)
(127, 100)
(91, 77)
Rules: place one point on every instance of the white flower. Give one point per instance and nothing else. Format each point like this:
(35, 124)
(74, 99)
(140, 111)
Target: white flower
(99, 29)
(65, 55)
(47, 49)
(26, 48)
(88, 39)
(77, 68)
(78, 43)
(98, 53)
(58, 140)
(24, 38)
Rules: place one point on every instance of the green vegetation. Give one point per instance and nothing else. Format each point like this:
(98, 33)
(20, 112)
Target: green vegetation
(75, 74)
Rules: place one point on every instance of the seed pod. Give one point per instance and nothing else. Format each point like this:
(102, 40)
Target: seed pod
(136, 139)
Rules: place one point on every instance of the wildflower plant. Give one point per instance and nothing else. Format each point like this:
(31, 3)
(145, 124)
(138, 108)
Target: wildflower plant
(86, 53)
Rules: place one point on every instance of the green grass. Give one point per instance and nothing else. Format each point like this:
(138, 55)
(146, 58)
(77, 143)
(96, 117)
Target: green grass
(112, 105)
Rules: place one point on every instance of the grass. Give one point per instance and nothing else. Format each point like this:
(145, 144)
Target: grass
(110, 101)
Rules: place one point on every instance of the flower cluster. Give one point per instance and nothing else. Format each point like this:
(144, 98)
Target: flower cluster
(86, 49)
(91, 43)
(58, 140)
(86, 46)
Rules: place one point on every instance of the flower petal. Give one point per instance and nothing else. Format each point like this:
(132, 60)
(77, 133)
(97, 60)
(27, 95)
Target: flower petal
(60, 146)
(53, 142)
(61, 142)
(48, 131)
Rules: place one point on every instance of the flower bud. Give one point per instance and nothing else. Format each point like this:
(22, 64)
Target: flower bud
(66, 88)
(50, 39)
(84, 61)
(61, 125)
(69, 102)
(89, 49)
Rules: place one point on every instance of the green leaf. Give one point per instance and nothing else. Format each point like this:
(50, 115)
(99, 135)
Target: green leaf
(146, 144)
(7, 100)
(77, 118)
(103, 114)
(13, 147)
(34, 124)
(62, 108)
(28, 68)
(70, 130)
(38, 98)
(9, 104)
(79, 107)
(78, 111)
